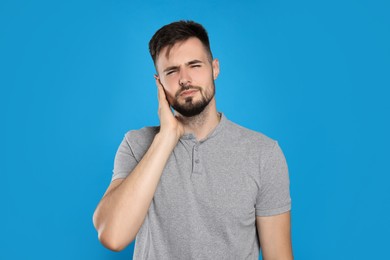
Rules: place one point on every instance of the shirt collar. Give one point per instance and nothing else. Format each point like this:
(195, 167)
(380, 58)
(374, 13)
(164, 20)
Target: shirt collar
(221, 125)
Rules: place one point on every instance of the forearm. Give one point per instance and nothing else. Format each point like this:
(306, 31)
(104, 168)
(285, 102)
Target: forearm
(122, 210)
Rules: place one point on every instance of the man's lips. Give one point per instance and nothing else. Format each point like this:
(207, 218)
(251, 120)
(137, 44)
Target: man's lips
(188, 92)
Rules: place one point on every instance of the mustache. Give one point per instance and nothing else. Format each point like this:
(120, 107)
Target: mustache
(184, 88)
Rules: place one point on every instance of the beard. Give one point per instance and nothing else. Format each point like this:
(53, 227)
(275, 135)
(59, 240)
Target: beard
(190, 107)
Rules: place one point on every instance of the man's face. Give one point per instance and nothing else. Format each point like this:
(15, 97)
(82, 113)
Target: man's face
(187, 75)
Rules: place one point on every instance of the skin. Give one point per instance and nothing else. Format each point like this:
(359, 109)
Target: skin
(122, 210)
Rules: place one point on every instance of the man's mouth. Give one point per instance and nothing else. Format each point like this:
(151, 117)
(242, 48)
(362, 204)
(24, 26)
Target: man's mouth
(188, 92)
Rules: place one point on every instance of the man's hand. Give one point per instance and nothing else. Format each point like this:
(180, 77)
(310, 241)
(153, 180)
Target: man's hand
(170, 125)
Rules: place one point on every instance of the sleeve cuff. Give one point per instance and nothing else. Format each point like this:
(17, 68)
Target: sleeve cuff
(119, 175)
(272, 212)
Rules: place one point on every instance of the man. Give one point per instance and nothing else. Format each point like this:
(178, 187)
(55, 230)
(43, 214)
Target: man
(199, 186)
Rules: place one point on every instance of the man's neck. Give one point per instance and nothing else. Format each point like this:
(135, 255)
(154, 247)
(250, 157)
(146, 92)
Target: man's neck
(203, 124)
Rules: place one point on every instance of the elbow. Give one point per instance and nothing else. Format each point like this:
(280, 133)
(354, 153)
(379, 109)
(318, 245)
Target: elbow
(113, 237)
(111, 242)
(105, 237)
(114, 241)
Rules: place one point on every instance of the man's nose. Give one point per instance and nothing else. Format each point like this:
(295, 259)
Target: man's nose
(184, 79)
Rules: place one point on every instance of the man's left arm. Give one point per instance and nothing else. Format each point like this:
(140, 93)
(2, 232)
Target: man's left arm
(275, 236)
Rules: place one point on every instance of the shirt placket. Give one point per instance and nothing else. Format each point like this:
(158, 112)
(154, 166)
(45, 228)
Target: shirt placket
(196, 159)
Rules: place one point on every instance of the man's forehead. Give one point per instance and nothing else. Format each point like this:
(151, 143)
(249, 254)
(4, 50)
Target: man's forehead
(166, 51)
(190, 49)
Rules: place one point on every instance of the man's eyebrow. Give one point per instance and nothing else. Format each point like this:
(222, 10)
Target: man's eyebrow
(193, 62)
(171, 68)
(187, 64)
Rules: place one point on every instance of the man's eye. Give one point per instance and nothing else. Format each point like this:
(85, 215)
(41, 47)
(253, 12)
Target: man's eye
(195, 66)
(170, 72)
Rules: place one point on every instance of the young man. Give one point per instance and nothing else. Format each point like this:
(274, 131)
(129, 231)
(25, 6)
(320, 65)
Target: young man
(198, 186)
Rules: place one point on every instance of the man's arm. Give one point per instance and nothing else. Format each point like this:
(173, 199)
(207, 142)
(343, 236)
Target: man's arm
(275, 236)
(123, 208)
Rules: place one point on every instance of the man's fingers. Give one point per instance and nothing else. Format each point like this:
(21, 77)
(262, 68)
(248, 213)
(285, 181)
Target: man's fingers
(163, 105)
(161, 93)
(168, 120)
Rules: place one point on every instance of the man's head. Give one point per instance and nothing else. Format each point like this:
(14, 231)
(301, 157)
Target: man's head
(175, 32)
(183, 60)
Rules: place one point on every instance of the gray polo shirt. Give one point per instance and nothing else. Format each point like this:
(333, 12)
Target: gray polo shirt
(209, 194)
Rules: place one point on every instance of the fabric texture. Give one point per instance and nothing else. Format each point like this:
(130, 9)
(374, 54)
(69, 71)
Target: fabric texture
(209, 194)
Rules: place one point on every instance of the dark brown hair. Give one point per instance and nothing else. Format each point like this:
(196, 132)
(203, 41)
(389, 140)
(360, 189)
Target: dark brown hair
(172, 33)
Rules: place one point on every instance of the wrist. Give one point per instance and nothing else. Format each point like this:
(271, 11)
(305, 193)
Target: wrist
(168, 138)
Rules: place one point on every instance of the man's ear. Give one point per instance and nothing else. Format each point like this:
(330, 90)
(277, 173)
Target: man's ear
(215, 65)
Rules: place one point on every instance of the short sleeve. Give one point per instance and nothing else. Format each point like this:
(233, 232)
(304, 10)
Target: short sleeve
(273, 197)
(124, 162)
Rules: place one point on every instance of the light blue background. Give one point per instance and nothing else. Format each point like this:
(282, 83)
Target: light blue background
(76, 75)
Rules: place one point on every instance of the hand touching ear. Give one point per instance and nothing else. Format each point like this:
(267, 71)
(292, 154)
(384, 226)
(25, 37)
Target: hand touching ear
(169, 124)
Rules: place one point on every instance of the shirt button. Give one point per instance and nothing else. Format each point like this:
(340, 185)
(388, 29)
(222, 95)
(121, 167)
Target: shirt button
(197, 161)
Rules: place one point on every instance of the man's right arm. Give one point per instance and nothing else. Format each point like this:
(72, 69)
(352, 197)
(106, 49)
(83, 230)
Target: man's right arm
(123, 208)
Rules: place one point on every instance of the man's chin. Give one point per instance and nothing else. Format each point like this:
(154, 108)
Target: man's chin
(190, 111)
